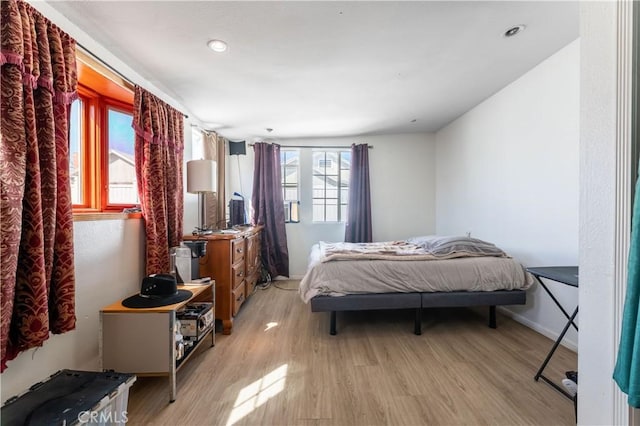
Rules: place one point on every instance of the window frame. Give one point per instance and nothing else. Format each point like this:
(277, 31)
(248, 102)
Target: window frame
(98, 93)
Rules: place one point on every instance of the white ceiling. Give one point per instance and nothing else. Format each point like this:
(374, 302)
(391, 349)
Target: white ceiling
(331, 68)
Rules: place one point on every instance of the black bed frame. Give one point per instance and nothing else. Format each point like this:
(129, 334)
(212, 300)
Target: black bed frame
(417, 301)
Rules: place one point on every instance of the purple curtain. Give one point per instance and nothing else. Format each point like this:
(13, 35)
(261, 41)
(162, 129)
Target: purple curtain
(268, 208)
(358, 226)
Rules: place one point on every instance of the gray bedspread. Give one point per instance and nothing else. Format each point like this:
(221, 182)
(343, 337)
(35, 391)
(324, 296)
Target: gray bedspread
(341, 277)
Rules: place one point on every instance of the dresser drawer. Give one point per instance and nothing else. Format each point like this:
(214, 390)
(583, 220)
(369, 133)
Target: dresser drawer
(251, 269)
(237, 274)
(237, 250)
(238, 297)
(250, 284)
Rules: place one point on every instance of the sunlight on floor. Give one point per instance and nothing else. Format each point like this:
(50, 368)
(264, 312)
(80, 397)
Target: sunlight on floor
(270, 325)
(257, 393)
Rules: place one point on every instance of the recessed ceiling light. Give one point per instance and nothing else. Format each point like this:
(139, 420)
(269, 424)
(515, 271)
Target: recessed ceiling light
(217, 45)
(269, 129)
(414, 120)
(516, 29)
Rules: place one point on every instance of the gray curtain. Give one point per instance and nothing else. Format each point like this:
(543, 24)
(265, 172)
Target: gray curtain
(268, 208)
(213, 145)
(358, 226)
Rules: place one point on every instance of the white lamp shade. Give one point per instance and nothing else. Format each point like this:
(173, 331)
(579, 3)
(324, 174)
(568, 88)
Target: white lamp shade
(201, 176)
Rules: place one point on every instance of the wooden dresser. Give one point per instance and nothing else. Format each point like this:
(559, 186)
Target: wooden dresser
(233, 261)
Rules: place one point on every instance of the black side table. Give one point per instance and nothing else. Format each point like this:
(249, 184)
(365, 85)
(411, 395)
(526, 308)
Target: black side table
(566, 275)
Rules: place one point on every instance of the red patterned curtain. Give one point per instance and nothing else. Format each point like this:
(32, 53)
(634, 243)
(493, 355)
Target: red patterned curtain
(37, 273)
(159, 148)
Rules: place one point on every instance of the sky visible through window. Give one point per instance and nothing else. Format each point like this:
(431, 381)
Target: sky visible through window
(120, 132)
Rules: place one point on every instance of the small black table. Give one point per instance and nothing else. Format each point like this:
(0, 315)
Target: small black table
(566, 275)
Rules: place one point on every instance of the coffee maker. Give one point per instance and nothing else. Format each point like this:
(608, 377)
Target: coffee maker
(186, 260)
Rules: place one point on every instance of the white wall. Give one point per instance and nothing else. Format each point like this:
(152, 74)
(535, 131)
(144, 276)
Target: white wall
(109, 264)
(507, 171)
(402, 173)
(605, 206)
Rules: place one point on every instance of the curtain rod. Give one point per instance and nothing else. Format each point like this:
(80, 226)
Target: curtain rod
(317, 146)
(110, 68)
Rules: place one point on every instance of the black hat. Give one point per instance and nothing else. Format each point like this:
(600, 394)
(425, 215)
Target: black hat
(157, 290)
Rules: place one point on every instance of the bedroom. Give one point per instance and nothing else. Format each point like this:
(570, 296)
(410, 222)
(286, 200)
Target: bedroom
(431, 204)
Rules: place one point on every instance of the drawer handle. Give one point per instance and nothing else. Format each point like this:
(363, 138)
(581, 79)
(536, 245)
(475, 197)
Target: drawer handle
(240, 274)
(239, 250)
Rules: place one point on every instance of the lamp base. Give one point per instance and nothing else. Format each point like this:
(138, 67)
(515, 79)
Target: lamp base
(202, 228)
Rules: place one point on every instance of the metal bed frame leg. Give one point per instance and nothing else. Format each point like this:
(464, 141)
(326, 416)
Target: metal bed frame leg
(332, 323)
(492, 316)
(417, 327)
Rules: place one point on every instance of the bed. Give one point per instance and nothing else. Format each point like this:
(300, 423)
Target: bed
(417, 273)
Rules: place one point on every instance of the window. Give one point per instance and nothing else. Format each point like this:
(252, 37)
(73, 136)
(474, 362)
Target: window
(76, 152)
(330, 185)
(290, 168)
(101, 141)
(121, 172)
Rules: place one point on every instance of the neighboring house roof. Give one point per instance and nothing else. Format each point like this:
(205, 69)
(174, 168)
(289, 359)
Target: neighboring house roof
(129, 158)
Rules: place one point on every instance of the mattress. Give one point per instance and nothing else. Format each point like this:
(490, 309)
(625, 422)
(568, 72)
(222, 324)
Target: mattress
(474, 274)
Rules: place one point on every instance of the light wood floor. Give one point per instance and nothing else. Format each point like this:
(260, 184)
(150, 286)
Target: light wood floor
(281, 367)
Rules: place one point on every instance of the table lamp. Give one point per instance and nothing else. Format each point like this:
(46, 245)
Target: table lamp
(201, 178)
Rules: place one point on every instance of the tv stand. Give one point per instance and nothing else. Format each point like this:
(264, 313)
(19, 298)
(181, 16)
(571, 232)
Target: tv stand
(142, 341)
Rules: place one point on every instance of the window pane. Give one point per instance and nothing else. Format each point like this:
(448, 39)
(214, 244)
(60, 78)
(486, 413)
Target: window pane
(331, 194)
(318, 193)
(343, 212)
(289, 158)
(291, 175)
(122, 172)
(345, 160)
(295, 212)
(332, 213)
(287, 211)
(318, 158)
(75, 152)
(291, 194)
(332, 157)
(319, 182)
(344, 177)
(197, 145)
(344, 196)
(318, 212)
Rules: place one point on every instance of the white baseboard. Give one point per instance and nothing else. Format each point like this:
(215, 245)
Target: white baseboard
(553, 335)
(292, 277)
